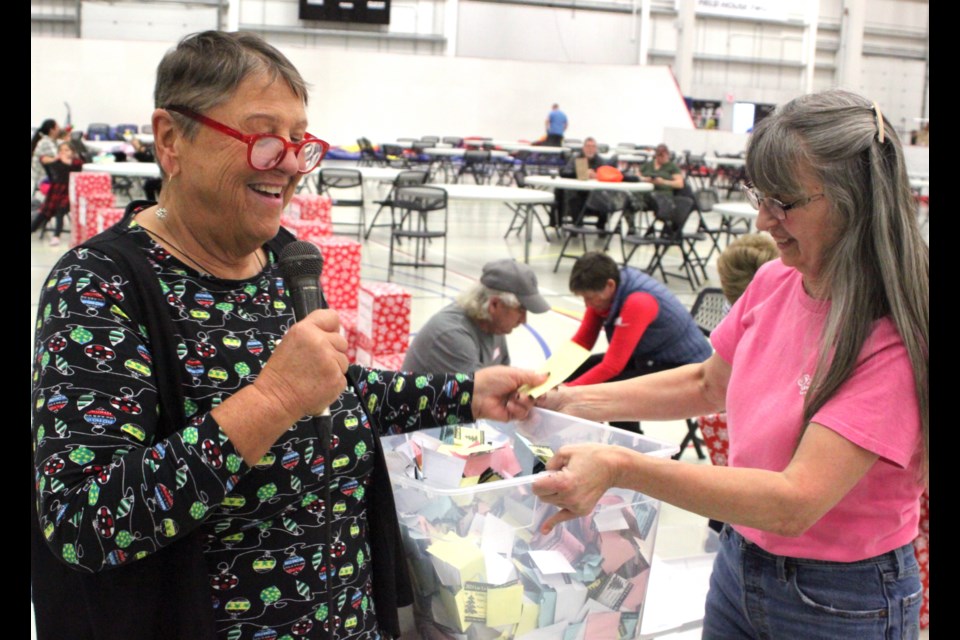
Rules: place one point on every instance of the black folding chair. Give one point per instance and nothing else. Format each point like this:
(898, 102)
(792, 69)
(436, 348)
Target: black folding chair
(601, 204)
(476, 163)
(332, 182)
(410, 178)
(392, 155)
(368, 154)
(665, 232)
(423, 218)
(519, 220)
(707, 311)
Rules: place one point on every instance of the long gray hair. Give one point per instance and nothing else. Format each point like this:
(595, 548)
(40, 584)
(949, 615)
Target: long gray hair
(879, 264)
(475, 300)
(205, 69)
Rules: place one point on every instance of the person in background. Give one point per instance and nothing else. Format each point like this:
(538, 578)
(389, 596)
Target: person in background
(822, 366)
(182, 487)
(556, 124)
(471, 333)
(589, 151)
(43, 150)
(571, 203)
(662, 172)
(665, 176)
(56, 204)
(740, 260)
(647, 328)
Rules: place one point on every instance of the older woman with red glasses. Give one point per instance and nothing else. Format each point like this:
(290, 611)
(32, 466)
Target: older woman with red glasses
(182, 487)
(822, 366)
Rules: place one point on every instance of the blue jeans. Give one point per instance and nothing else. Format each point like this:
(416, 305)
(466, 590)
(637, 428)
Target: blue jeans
(755, 594)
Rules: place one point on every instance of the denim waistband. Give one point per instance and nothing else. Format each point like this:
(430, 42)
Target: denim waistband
(901, 559)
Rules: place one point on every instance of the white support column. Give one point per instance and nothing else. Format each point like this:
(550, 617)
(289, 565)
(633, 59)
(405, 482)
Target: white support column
(451, 19)
(850, 54)
(683, 63)
(926, 74)
(810, 44)
(233, 14)
(645, 29)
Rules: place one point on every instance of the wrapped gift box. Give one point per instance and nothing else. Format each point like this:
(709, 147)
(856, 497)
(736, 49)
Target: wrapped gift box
(84, 221)
(383, 318)
(88, 191)
(713, 426)
(921, 547)
(308, 217)
(106, 217)
(340, 277)
(85, 183)
(310, 207)
(480, 564)
(309, 230)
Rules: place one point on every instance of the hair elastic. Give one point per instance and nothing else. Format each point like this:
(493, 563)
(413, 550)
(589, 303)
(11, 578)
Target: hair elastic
(876, 110)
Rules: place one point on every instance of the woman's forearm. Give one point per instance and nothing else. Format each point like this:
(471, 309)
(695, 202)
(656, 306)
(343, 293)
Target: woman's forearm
(683, 392)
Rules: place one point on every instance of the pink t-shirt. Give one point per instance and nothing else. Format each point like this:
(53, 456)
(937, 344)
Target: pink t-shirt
(770, 339)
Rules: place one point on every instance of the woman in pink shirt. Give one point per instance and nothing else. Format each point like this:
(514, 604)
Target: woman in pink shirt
(822, 368)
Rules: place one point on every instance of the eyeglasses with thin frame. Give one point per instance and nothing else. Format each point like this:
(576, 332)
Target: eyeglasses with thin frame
(265, 151)
(776, 208)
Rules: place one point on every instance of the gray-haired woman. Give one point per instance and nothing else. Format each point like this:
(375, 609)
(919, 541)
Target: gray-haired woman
(822, 367)
(175, 471)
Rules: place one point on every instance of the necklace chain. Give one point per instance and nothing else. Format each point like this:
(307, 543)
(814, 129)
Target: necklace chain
(161, 214)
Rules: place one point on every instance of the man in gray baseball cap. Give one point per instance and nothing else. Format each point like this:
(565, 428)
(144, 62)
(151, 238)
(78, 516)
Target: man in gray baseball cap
(469, 334)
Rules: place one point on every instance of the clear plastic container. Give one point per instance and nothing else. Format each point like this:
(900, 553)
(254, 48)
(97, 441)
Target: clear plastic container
(480, 566)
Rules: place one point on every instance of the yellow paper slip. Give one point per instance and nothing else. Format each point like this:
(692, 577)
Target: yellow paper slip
(560, 365)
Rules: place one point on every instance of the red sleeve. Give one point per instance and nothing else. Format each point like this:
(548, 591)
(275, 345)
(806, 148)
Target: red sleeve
(590, 326)
(638, 311)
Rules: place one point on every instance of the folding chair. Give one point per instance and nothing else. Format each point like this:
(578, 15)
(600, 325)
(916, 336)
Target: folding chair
(392, 155)
(666, 231)
(417, 158)
(423, 218)
(707, 311)
(98, 131)
(600, 203)
(368, 155)
(411, 178)
(696, 170)
(123, 129)
(333, 180)
(519, 220)
(476, 163)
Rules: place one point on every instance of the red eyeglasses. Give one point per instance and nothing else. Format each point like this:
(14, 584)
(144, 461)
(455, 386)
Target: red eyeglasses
(266, 151)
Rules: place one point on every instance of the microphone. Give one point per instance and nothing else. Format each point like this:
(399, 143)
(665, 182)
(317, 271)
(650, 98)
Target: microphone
(301, 265)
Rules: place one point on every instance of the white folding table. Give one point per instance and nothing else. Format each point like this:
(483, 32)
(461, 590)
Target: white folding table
(517, 200)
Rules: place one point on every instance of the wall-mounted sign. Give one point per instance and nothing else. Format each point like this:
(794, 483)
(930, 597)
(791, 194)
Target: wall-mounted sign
(366, 11)
(750, 9)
